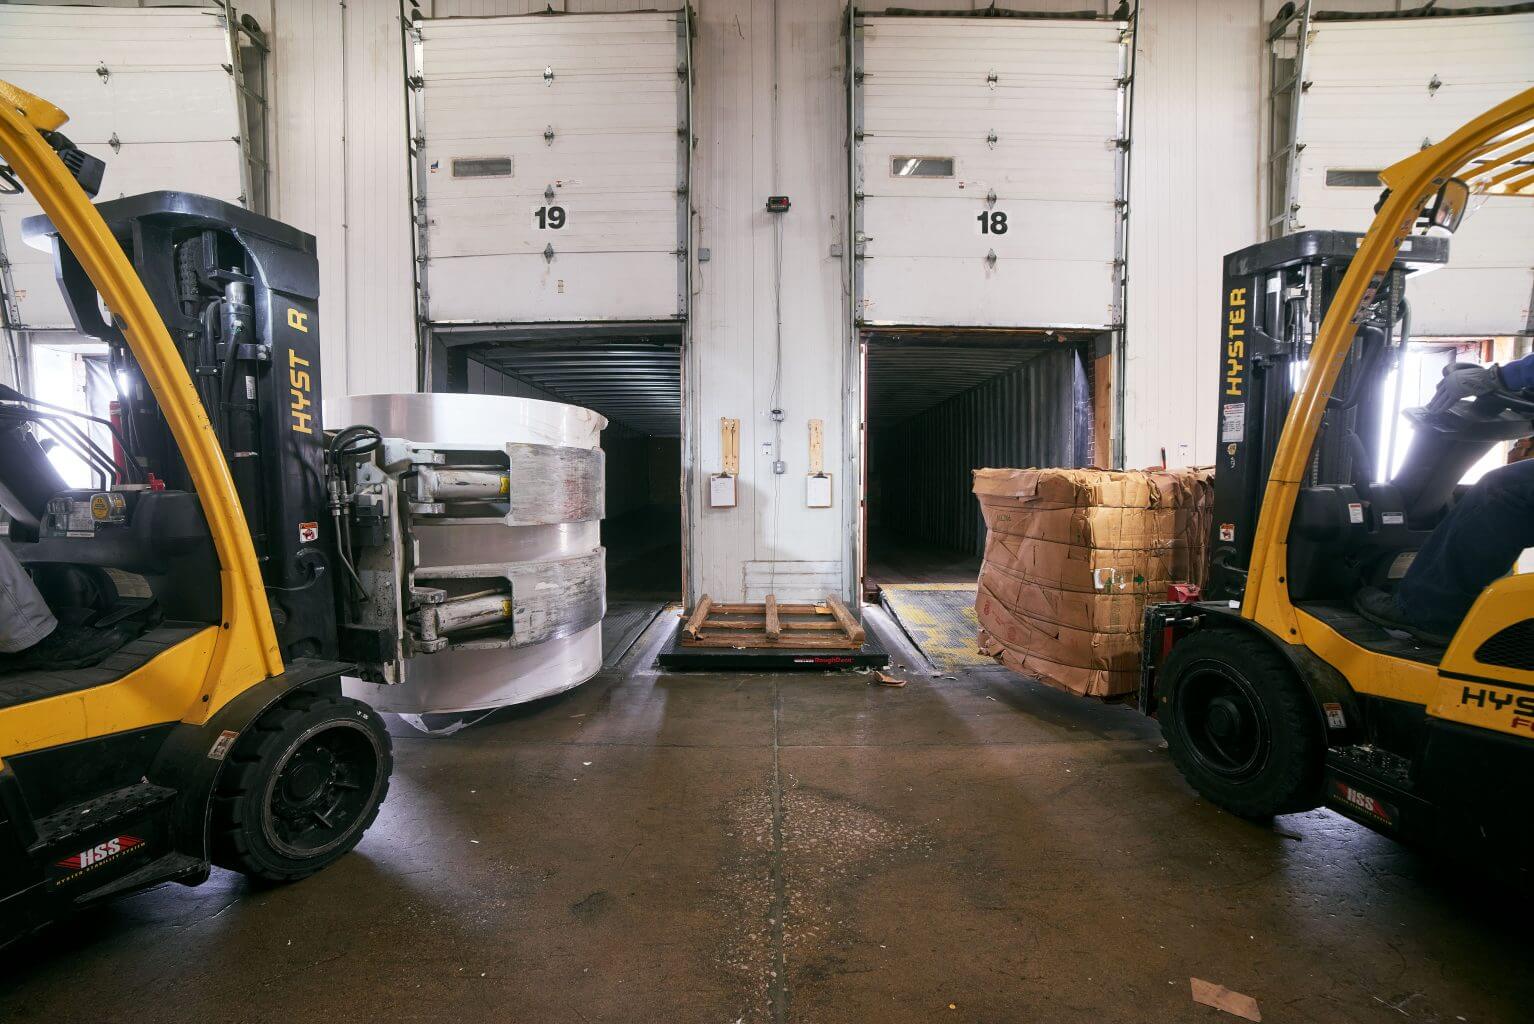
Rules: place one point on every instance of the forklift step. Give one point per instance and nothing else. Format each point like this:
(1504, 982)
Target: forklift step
(1375, 787)
(68, 824)
(173, 867)
(1369, 761)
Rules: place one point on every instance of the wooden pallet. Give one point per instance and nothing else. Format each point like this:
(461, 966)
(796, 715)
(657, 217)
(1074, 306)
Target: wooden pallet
(825, 626)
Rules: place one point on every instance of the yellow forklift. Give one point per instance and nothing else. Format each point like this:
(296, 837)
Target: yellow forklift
(217, 733)
(1274, 693)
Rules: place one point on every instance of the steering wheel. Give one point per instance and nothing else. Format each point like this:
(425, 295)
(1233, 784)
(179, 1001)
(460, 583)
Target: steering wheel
(1499, 415)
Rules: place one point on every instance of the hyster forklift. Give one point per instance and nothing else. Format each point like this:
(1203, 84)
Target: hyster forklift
(1273, 694)
(247, 556)
(217, 734)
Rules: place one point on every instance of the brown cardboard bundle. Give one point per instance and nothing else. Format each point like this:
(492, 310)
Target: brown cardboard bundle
(1072, 556)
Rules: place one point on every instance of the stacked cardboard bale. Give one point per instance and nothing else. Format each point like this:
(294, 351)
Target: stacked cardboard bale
(1072, 556)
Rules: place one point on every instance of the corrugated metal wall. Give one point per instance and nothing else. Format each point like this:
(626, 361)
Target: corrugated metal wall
(1035, 415)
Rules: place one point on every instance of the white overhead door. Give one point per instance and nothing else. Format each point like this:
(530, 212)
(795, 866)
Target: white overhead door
(148, 91)
(989, 170)
(553, 168)
(1377, 92)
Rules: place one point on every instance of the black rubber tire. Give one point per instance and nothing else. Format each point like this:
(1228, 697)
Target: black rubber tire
(1289, 756)
(242, 834)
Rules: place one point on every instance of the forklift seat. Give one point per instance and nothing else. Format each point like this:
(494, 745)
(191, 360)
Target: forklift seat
(39, 684)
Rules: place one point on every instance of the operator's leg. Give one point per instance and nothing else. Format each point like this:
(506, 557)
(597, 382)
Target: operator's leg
(1475, 545)
(24, 616)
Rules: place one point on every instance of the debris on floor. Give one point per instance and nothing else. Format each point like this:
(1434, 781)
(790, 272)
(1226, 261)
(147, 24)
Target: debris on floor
(886, 679)
(1222, 998)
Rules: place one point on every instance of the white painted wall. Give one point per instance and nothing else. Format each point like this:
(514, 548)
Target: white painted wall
(1193, 197)
(734, 327)
(341, 174)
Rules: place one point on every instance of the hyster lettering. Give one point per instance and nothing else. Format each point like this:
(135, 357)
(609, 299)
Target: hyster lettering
(1235, 344)
(1495, 701)
(300, 384)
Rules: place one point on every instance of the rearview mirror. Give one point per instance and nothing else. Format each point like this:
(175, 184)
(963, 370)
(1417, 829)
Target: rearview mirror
(1448, 207)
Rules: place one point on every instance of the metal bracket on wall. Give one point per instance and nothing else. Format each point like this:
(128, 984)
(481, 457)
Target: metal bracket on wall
(548, 252)
(991, 79)
(990, 139)
(548, 135)
(548, 75)
(990, 258)
(990, 198)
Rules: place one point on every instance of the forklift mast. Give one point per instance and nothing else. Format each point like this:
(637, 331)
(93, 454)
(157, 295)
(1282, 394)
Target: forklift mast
(1276, 295)
(238, 294)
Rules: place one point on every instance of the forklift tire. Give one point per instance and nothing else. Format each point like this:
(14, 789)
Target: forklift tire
(302, 785)
(1240, 725)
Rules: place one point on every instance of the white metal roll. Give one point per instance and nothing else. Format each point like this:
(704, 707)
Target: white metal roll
(471, 679)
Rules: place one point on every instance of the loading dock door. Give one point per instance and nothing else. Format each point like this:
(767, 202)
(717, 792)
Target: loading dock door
(1377, 91)
(989, 168)
(552, 172)
(148, 91)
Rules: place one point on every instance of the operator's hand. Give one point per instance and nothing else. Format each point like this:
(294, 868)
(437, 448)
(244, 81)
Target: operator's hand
(1464, 380)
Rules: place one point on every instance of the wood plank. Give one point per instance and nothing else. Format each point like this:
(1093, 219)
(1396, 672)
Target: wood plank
(848, 623)
(1102, 410)
(774, 627)
(729, 444)
(714, 622)
(783, 609)
(695, 620)
(830, 642)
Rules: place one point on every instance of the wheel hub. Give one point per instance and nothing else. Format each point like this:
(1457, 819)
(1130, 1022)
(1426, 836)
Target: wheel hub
(321, 790)
(1223, 720)
(304, 781)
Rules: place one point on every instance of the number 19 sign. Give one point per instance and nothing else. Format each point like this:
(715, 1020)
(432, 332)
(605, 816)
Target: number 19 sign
(549, 218)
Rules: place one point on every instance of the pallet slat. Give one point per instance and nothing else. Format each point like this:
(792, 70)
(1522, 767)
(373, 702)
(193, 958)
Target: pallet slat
(748, 641)
(848, 623)
(783, 609)
(695, 621)
(827, 626)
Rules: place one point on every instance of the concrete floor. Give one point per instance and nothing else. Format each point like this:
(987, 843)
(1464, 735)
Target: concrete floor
(801, 848)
